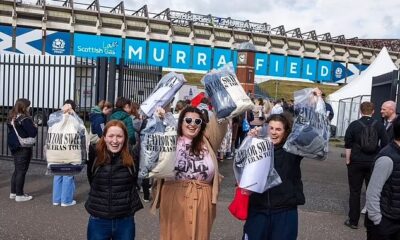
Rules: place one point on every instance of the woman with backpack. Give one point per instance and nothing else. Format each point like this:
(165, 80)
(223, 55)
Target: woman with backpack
(20, 123)
(113, 197)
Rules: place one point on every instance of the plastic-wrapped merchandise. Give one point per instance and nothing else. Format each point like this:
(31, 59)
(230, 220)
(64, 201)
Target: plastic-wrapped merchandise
(163, 93)
(157, 140)
(226, 93)
(310, 134)
(166, 161)
(254, 165)
(67, 143)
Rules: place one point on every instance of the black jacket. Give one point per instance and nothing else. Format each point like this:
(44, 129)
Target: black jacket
(113, 192)
(25, 128)
(390, 196)
(352, 140)
(289, 193)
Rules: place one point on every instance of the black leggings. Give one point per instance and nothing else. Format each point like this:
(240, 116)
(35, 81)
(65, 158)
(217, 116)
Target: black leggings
(22, 158)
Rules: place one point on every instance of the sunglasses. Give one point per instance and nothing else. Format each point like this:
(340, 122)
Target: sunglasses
(196, 121)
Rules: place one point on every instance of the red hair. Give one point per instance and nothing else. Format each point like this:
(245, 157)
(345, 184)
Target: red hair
(103, 156)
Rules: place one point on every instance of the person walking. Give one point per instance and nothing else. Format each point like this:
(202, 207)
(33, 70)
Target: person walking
(187, 203)
(363, 140)
(113, 197)
(19, 120)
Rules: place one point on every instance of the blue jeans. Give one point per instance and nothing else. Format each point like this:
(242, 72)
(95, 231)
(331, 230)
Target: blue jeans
(116, 229)
(63, 189)
(271, 225)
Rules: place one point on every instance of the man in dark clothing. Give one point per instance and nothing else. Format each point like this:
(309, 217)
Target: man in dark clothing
(360, 162)
(328, 108)
(383, 206)
(388, 112)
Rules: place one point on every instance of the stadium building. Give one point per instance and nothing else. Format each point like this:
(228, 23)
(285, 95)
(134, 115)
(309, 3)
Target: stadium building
(183, 41)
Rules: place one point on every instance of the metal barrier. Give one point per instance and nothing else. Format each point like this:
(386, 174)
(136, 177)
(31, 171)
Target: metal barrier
(349, 111)
(47, 81)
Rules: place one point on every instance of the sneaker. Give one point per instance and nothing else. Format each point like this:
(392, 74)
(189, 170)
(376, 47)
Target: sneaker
(348, 224)
(68, 204)
(12, 195)
(56, 203)
(364, 210)
(23, 198)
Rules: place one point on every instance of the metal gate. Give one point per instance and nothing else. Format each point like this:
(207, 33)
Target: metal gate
(47, 81)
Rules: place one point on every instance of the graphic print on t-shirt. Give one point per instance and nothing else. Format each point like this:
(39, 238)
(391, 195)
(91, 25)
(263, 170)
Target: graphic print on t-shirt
(192, 167)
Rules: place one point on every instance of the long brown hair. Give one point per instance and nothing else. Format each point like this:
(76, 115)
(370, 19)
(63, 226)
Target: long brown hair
(197, 142)
(135, 110)
(103, 156)
(20, 107)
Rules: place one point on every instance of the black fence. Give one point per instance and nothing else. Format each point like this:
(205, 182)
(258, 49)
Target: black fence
(47, 81)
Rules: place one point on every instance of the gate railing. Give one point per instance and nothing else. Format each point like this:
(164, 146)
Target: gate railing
(47, 81)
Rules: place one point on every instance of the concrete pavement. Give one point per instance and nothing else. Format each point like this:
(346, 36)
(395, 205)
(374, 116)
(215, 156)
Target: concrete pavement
(322, 217)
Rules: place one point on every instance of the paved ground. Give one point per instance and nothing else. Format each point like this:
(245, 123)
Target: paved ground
(322, 217)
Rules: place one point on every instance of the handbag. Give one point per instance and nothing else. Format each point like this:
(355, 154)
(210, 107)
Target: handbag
(245, 124)
(239, 206)
(24, 142)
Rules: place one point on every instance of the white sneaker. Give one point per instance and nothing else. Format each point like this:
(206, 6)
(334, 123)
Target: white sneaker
(56, 203)
(12, 195)
(68, 204)
(23, 198)
(364, 210)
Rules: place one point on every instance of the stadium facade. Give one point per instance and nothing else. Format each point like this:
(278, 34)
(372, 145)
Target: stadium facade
(181, 40)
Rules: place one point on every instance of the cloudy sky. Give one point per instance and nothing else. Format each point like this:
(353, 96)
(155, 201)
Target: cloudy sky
(355, 18)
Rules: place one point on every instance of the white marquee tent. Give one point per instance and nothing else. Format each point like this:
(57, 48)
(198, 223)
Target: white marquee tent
(362, 85)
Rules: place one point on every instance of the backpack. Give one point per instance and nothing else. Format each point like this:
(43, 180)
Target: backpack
(369, 138)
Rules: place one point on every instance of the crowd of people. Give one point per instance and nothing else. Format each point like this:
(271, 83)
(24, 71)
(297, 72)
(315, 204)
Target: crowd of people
(187, 202)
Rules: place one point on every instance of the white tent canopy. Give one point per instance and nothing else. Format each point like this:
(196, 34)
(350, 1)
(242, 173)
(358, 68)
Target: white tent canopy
(362, 85)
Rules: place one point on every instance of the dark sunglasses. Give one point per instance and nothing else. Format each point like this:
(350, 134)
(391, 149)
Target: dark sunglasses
(197, 121)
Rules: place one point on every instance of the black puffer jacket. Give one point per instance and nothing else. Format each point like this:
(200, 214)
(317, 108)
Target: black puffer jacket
(289, 193)
(113, 192)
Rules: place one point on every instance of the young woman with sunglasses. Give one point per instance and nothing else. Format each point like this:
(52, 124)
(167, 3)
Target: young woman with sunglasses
(188, 201)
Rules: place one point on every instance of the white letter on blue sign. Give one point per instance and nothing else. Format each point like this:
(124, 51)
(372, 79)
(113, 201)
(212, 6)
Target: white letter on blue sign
(324, 71)
(308, 70)
(201, 58)
(180, 56)
(221, 61)
(277, 66)
(293, 67)
(259, 63)
(155, 55)
(138, 51)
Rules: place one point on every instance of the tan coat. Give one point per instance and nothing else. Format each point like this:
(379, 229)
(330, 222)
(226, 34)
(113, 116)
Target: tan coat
(187, 208)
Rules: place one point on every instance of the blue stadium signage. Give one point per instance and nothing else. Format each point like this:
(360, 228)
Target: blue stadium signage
(86, 45)
(172, 55)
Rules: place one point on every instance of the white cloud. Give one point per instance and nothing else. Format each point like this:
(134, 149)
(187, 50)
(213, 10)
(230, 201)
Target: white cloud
(356, 18)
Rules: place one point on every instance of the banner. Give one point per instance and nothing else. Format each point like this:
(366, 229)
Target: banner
(135, 50)
(86, 45)
(58, 43)
(6, 33)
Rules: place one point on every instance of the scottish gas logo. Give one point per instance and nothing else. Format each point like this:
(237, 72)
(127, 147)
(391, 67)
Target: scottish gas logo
(86, 45)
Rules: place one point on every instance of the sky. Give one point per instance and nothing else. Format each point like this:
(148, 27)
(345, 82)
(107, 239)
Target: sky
(355, 18)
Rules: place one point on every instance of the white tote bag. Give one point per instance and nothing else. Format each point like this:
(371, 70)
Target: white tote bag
(165, 167)
(64, 140)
